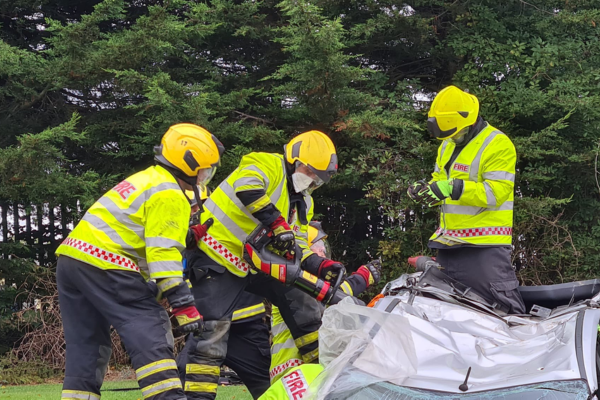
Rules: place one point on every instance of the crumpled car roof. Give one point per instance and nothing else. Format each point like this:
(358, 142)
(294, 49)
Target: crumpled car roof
(427, 343)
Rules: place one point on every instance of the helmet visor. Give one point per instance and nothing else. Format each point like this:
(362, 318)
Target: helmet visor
(460, 136)
(434, 129)
(311, 173)
(204, 176)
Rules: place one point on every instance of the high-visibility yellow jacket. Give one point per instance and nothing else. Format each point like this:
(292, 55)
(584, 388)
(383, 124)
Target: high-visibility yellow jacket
(233, 221)
(294, 384)
(284, 349)
(139, 225)
(483, 215)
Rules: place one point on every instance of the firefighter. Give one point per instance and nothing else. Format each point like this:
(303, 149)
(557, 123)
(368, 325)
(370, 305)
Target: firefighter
(249, 352)
(473, 183)
(284, 352)
(294, 384)
(266, 189)
(133, 234)
(248, 348)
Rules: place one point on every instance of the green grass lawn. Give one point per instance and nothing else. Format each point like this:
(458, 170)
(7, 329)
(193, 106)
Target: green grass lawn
(52, 392)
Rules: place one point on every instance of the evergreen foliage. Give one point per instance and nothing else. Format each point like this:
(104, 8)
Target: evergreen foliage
(88, 87)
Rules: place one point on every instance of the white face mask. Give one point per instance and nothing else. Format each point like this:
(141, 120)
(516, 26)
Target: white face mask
(301, 181)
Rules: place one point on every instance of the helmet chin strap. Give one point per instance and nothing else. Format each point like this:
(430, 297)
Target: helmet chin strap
(198, 198)
(289, 171)
(190, 180)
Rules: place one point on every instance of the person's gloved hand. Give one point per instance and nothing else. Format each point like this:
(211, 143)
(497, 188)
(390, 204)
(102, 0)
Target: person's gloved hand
(330, 270)
(197, 232)
(415, 188)
(370, 272)
(188, 319)
(435, 192)
(284, 238)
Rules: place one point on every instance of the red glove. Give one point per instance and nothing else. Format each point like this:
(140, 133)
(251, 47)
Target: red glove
(371, 272)
(188, 319)
(197, 232)
(284, 238)
(330, 270)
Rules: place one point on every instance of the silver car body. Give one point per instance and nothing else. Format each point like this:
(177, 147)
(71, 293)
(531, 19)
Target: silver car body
(420, 341)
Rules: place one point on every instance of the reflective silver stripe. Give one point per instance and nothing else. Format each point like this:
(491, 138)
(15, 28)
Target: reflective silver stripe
(499, 176)
(279, 328)
(346, 288)
(76, 394)
(246, 181)
(100, 224)
(135, 205)
(309, 202)
(248, 312)
(160, 387)
(277, 193)
(474, 171)
(261, 172)
(288, 344)
(155, 367)
(444, 145)
(301, 240)
(489, 195)
(473, 210)
(230, 192)
(159, 266)
(168, 284)
(164, 242)
(224, 219)
(302, 235)
(141, 199)
(122, 215)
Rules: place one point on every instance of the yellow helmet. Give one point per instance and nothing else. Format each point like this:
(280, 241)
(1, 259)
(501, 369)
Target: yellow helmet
(452, 111)
(192, 151)
(316, 234)
(315, 150)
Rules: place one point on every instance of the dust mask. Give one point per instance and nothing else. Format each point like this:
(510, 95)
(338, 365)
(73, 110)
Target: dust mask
(301, 181)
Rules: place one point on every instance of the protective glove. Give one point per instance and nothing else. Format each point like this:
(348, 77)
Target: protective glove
(196, 233)
(435, 192)
(330, 270)
(415, 188)
(370, 272)
(188, 319)
(284, 238)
